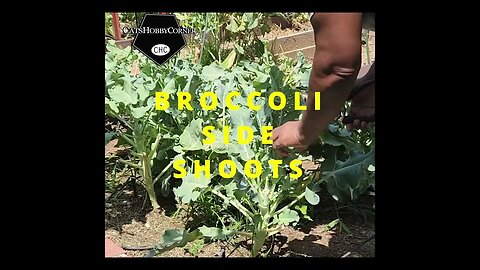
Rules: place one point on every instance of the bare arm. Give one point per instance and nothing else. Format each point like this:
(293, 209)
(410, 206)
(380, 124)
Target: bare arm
(335, 68)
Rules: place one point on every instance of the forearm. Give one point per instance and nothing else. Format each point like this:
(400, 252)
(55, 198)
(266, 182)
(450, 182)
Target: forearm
(335, 67)
(332, 98)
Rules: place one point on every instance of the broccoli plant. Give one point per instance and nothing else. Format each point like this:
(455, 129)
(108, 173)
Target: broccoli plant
(247, 177)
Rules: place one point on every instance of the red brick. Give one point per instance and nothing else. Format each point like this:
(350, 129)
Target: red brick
(112, 249)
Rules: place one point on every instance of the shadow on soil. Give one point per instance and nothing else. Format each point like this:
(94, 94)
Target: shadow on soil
(129, 202)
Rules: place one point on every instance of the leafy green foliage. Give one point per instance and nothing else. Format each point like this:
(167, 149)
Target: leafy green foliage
(348, 157)
(352, 176)
(196, 247)
(267, 204)
(189, 190)
(227, 38)
(172, 239)
(215, 233)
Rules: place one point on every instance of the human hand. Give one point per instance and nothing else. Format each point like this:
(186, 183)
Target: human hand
(287, 135)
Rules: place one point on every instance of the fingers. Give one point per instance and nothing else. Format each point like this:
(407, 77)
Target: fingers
(357, 124)
(275, 134)
(348, 119)
(279, 147)
(286, 136)
(277, 144)
(282, 152)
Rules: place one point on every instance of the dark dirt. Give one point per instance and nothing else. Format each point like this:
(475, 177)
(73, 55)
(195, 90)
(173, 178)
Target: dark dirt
(130, 221)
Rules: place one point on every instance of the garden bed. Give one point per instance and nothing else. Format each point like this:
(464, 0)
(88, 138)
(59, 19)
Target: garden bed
(131, 222)
(290, 41)
(128, 224)
(291, 215)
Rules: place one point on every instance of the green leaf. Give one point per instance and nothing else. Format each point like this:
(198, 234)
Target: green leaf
(261, 77)
(189, 190)
(221, 92)
(229, 61)
(253, 24)
(127, 87)
(239, 48)
(185, 73)
(302, 209)
(245, 151)
(240, 117)
(143, 93)
(172, 239)
(233, 26)
(231, 187)
(212, 72)
(331, 225)
(219, 146)
(173, 235)
(333, 128)
(190, 138)
(311, 197)
(263, 115)
(150, 102)
(344, 226)
(304, 78)
(139, 112)
(288, 216)
(110, 65)
(238, 165)
(215, 233)
(350, 179)
(335, 140)
(108, 74)
(190, 76)
(276, 78)
(112, 105)
(345, 133)
(108, 136)
(118, 95)
(247, 17)
(170, 87)
(178, 149)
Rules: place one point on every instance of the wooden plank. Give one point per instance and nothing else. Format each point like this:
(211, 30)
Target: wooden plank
(292, 42)
(286, 45)
(308, 52)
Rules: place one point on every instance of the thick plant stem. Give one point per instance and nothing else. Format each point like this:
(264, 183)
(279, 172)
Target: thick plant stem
(147, 176)
(258, 241)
